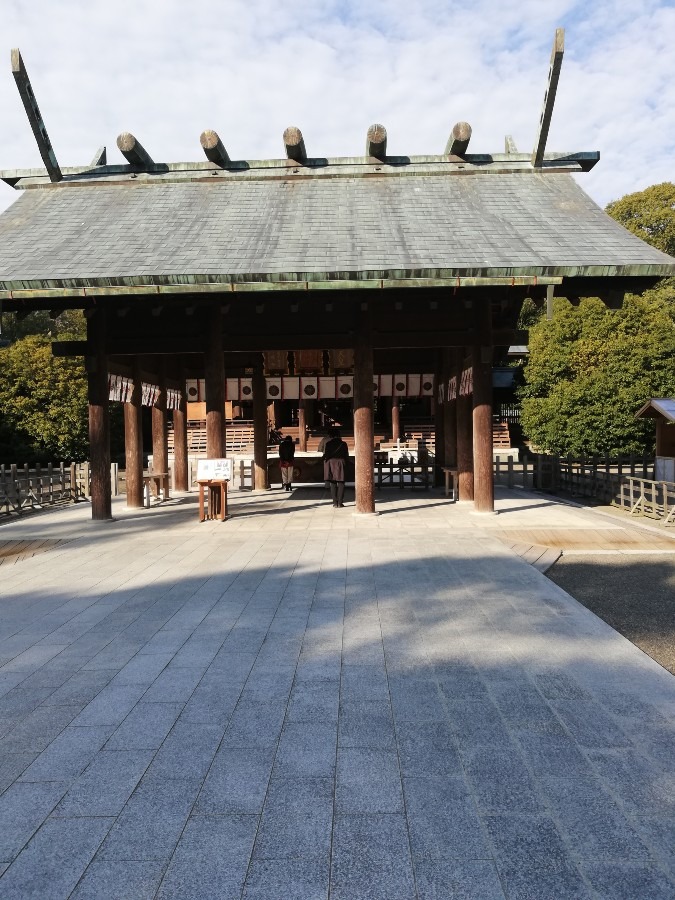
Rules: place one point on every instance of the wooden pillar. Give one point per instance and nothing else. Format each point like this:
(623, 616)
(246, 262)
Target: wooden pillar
(160, 450)
(260, 435)
(395, 419)
(99, 418)
(439, 423)
(133, 441)
(484, 493)
(302, 425)
(181, 475)
(214, 372)
(464, 428)
(449, 411)
(364, 434)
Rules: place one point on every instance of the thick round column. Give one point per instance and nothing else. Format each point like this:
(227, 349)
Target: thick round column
(160, 449)
(181, 478)
(133, 441)
(260, 430)
(99, 418)
(364, 435)
(439, 423)
(449, 411)
(302, 425)
(395, 419)
(484, 493)
(464, 428)
(214, 372)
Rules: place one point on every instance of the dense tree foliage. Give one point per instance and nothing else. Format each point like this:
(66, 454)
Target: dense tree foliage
(43, 404)
(590, 368)
(650, 214)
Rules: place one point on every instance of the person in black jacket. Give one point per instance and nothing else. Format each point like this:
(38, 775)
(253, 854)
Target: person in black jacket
(286, 457)
(335, 456)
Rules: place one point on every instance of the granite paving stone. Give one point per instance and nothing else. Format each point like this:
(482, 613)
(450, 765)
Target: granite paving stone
(389, 706)
(211, 859)
(105, 879)
(152, 820)
(106, 784)
(53, 862)
(23, 808)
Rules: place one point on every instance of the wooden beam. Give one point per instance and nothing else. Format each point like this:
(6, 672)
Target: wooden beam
(100, 157)
(34, 117)
(294, 144)
(549, 97)
(376, 141)
(133, 152)
(214, 148)
(458, 140)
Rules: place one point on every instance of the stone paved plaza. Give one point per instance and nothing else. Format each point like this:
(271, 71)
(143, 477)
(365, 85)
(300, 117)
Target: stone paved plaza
(303, 703)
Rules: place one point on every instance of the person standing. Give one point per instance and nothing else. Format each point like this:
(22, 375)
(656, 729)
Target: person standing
(286, 457)
(335, 456)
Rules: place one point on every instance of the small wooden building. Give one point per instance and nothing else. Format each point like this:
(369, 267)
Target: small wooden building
(413, 264)
(663, 410)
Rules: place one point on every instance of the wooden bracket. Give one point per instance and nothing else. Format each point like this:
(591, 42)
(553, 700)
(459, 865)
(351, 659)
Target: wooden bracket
(549, 97)
(34, 117)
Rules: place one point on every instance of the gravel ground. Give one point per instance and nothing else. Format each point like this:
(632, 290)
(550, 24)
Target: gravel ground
(634, 593)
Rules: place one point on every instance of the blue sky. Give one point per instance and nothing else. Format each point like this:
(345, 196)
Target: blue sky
(248, 68)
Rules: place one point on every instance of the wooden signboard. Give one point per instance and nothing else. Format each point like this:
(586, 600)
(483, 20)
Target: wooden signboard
(214, 470)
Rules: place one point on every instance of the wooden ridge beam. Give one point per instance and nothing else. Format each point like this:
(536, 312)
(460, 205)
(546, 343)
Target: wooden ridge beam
(133, 151)
(34, 117)
(549, 97)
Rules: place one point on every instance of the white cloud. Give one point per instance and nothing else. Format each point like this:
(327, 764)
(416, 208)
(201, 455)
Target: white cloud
(248, 68)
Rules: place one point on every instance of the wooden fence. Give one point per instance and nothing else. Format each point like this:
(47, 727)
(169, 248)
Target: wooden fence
(23, 488)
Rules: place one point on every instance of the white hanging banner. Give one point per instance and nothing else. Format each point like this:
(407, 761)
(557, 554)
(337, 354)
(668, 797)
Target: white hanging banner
(192, 390)
(309, 387)
(172, 398)
(231, 388)
(327, 387)
(246, 389)
(273, 388)
(345, 386)
(386, 385)
(400, 385)
(291, 387)
(427, 386)
(414, 385)
(149, 394)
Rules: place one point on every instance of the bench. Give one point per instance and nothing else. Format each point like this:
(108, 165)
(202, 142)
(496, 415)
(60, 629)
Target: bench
(157, 481)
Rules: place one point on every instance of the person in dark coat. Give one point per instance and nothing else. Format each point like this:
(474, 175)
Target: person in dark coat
(335, 456)
(286, 457)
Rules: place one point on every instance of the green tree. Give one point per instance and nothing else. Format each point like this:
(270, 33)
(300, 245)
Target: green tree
(650, 214)
(590, 369)
(43, 404)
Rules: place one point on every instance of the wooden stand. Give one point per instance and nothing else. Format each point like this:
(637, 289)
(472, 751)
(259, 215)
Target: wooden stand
(158, 481)
(216, 503)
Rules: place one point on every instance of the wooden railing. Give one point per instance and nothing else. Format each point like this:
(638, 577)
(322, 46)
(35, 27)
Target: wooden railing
(23, 488)
(653, 499)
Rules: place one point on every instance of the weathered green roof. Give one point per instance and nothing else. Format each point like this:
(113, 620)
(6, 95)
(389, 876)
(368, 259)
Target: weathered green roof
(329, 225)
